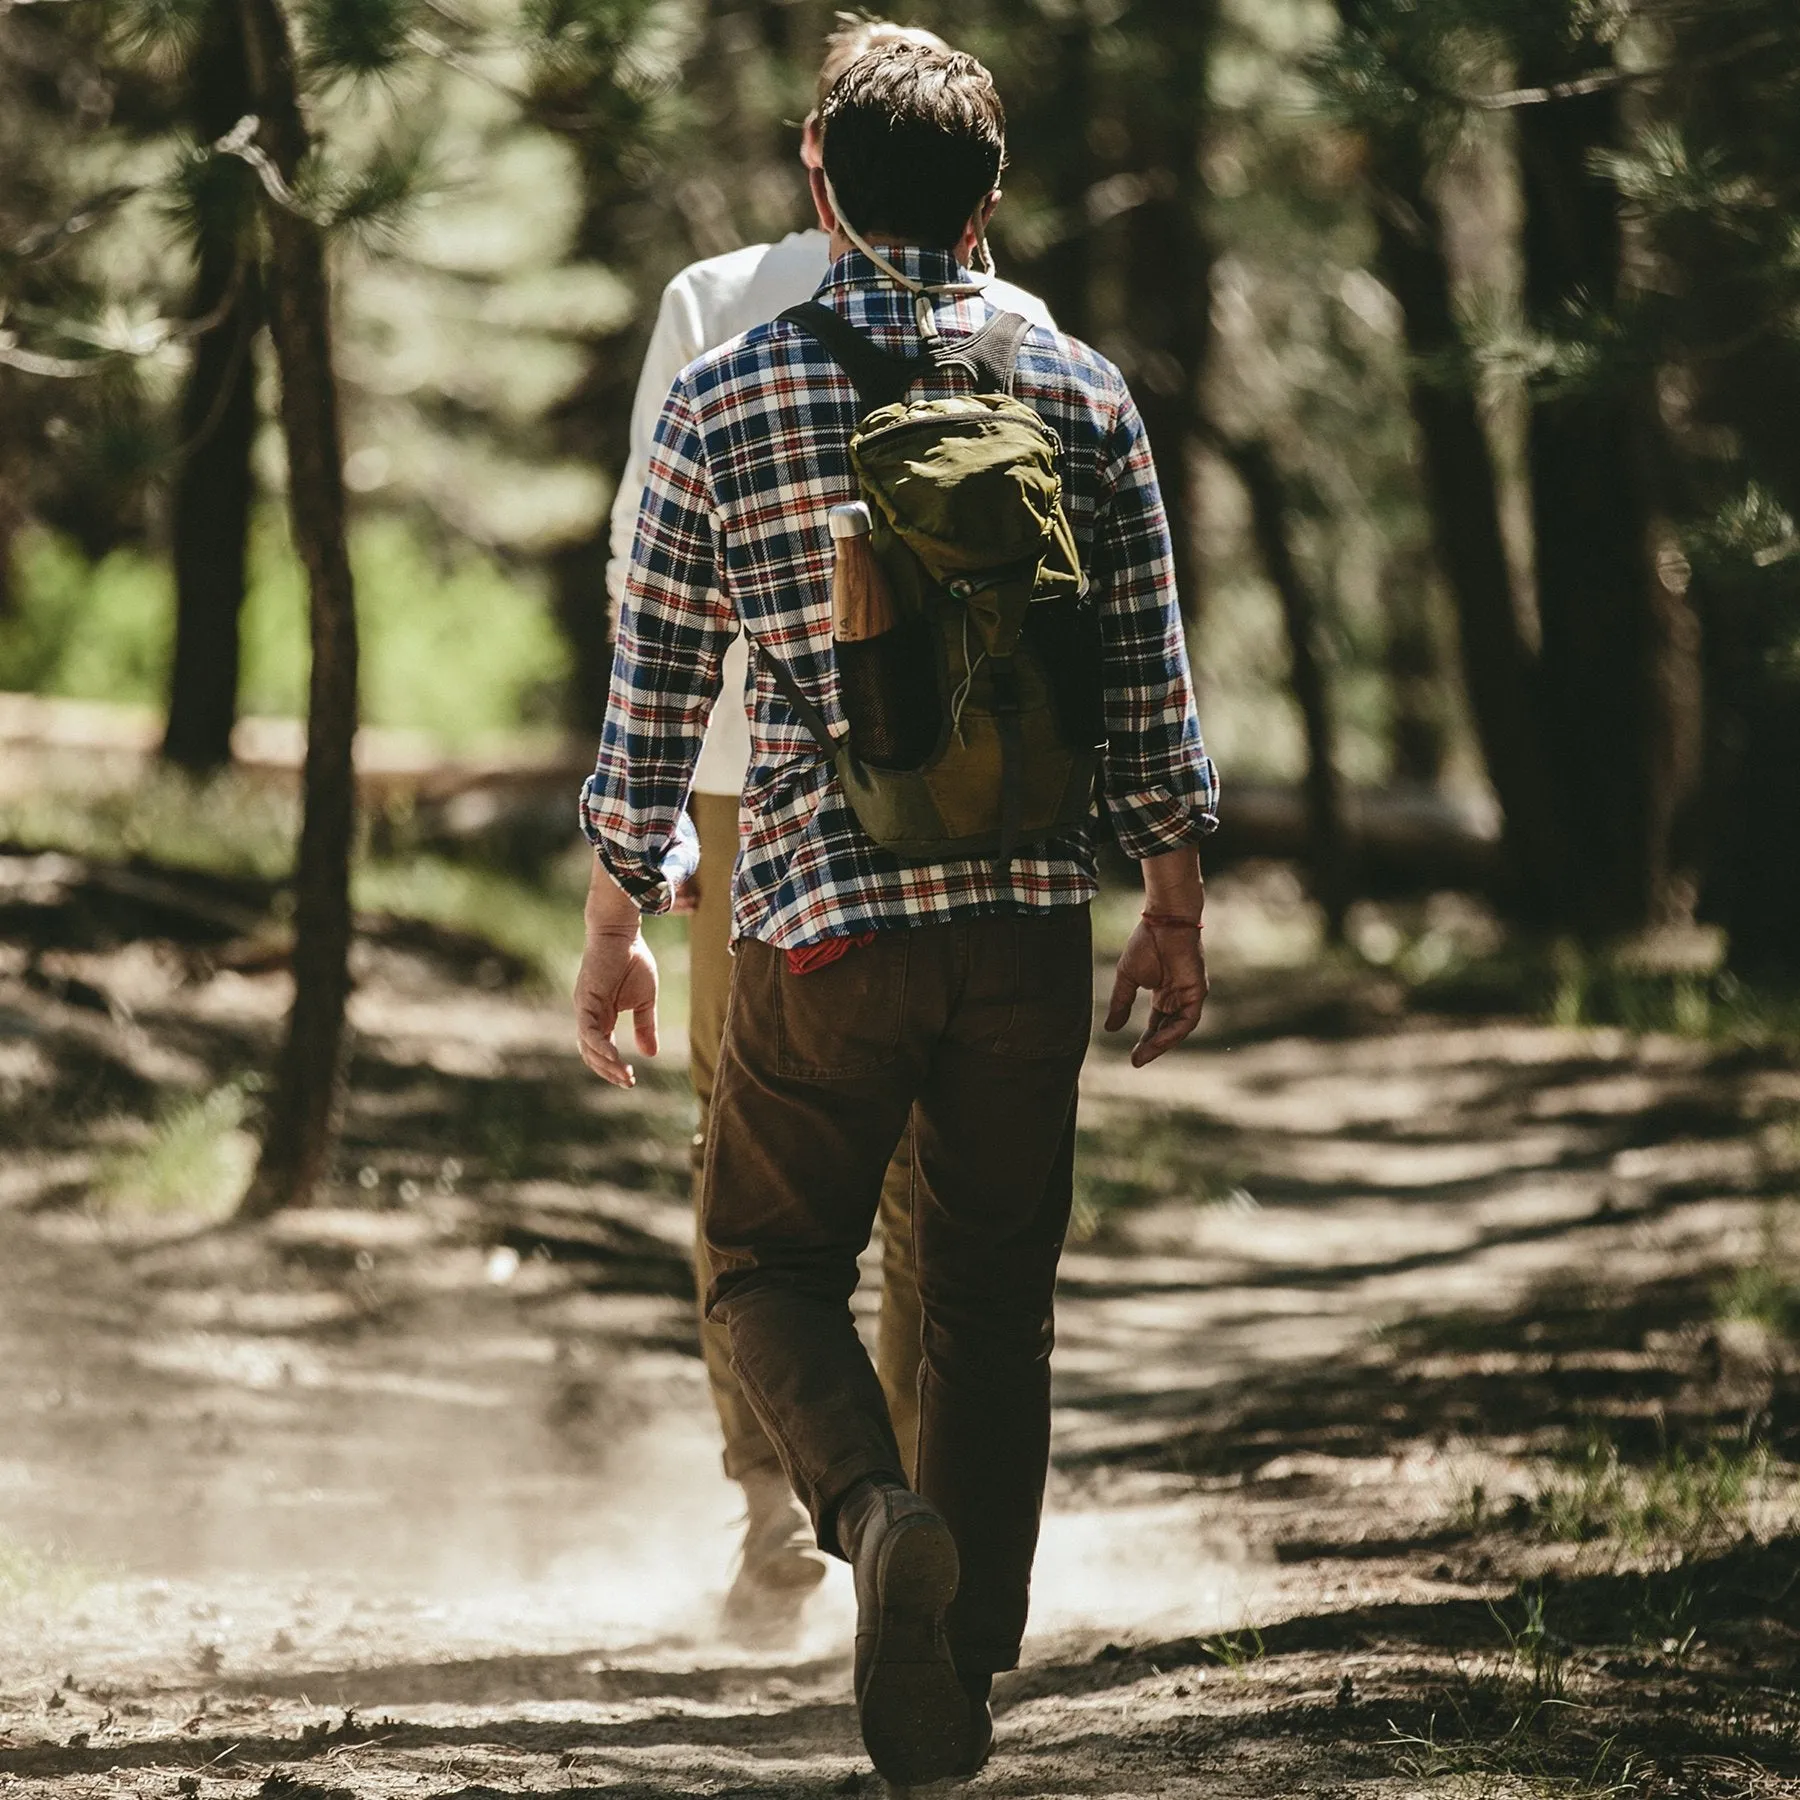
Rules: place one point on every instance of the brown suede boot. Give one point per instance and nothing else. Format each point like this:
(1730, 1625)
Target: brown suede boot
(913, 1713)
(779, 1567)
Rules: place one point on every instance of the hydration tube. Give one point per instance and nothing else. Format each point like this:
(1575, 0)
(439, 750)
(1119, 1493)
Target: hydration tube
(923, 292)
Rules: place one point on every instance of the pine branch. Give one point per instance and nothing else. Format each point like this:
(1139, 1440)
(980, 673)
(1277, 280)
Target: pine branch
(55, 368)
(46, 240)
(240, 141)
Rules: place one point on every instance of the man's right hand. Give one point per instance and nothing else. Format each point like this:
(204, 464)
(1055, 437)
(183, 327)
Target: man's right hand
(618, 975)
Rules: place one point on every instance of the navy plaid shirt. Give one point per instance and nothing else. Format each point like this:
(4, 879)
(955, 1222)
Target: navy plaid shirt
(751, 451)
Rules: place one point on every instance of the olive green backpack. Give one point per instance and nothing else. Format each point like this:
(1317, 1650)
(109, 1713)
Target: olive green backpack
(987, 713)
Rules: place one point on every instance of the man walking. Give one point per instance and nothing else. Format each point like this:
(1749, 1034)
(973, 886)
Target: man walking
(868, 988)
(704, 306)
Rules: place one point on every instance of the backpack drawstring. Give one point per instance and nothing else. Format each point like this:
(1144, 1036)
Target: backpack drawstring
(923, 292)
(960, 698)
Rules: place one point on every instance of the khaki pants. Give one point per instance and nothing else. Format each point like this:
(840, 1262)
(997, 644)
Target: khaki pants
(972, 1034)
(747, 1445)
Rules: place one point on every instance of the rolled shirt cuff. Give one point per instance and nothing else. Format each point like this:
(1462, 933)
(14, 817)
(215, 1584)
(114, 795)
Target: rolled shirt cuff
(1156, 820)
(652, 882)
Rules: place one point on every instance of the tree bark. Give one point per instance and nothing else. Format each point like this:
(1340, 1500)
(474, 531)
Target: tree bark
(214, 483)
(1254, 466)
(214, 491)
(1062, 273)
(1611, 631)
(1169, 295)
(593, 423)
(1745, 371)
(1418, 740)
(1462, 499)
(302, 1114)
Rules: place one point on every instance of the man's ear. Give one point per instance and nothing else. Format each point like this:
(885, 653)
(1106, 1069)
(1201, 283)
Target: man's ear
(975, 232)
(815, 179)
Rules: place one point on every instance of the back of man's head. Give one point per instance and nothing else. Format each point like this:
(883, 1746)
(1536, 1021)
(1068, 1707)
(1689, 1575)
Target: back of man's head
(856, 37)
(914, 138)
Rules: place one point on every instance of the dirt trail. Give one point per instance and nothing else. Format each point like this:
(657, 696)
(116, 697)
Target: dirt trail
(419, 1496)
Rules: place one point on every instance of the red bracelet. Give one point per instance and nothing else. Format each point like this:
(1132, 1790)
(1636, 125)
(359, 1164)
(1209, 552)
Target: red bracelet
(1156, 918)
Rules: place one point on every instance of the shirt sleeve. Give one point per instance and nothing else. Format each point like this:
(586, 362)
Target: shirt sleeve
(674, 343)
(672, 633)
(1159, 785)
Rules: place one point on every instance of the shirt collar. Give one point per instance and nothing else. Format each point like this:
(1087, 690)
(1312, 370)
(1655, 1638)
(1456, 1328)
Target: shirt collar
(853, 269)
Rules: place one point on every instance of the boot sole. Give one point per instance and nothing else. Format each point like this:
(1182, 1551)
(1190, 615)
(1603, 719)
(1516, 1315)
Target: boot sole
(913, 1712)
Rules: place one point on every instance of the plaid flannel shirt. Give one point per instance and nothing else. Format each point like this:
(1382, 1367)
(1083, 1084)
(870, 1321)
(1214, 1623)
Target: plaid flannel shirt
(751, 451)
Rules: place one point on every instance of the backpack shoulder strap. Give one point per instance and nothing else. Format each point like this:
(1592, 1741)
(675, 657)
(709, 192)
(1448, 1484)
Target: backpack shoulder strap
(879, 379)
(796, 697)
(990, 354)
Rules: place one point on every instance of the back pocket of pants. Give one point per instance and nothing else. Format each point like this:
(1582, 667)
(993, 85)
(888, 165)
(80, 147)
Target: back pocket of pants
(1051, 986)
(845, 1018)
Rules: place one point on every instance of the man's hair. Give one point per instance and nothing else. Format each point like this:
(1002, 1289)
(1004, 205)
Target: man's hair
(856, 37)
(913, 138)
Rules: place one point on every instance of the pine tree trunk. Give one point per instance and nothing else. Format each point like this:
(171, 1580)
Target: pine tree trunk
(1062, 274)
(214, 484)
(1611, 630)
(302, 1111)
(1462, 497)
(1745, 369)
(214, 492)
(593, 425)
(1255, 468)
(1418, 738)
(1169, 295)
(578, 593)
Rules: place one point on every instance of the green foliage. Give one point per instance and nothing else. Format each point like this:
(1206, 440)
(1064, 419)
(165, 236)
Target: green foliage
(356, 38)
(453, 645)
(30, 1577)
(1766, 1293)
(372, 205)
(1760, 1295)
(229, 824)
(97, 631)
(164, 32)
(1567, 985)
(209, 195)
(196, 1159)
(540, 925)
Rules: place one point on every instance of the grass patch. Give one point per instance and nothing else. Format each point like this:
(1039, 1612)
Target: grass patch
(1760, 1295)
(1686, 1501)
(1565, 985)
(227, 824)
(1139, 1161)
(236, 826)
(1516, 1717)
(197, 1159)
(1764, 1293)
(539, 924)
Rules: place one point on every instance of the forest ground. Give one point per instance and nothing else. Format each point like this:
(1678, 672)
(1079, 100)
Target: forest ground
(1426, 1400)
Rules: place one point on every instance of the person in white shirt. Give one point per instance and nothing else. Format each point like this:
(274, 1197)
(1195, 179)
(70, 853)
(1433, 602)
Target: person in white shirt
(706, 305)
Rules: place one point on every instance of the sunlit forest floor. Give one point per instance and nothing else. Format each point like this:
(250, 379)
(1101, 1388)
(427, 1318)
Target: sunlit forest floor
(1427, 1399)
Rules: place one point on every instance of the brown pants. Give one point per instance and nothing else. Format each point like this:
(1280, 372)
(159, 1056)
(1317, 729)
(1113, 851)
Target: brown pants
(747, 1445)
(975, 1033)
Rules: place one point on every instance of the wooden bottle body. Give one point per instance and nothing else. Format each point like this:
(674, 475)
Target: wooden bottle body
(862, 606)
